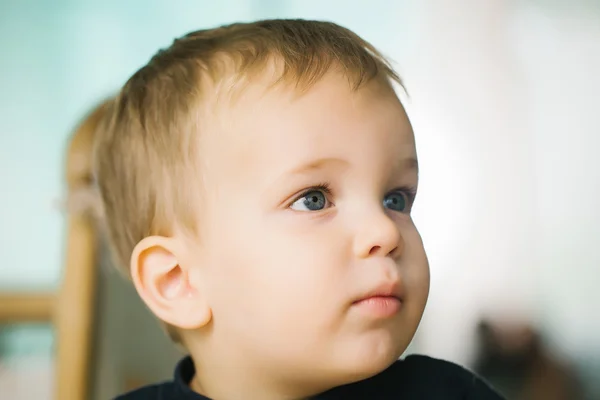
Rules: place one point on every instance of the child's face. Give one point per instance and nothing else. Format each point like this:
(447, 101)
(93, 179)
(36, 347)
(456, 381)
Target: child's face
(307, 211)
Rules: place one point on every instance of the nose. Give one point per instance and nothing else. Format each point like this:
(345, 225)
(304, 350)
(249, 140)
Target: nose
(379, 236)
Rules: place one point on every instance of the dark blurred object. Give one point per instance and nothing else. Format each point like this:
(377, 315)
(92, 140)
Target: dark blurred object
(514, 359)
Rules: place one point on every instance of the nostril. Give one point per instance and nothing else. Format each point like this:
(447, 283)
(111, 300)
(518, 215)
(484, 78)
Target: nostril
(378, 249)
(374, 250)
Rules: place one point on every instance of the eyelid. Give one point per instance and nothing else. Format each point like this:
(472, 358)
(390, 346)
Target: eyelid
(323, 187)
(409, 191)
(404, 188)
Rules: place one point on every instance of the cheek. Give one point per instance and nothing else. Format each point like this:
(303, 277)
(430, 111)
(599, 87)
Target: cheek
(416, 267)
(279, 270)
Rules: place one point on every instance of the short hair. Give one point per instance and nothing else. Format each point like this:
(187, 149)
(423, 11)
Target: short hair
(148, 146)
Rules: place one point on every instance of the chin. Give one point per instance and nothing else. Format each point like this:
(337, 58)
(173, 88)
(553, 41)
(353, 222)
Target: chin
(377, 365)
(370, 361)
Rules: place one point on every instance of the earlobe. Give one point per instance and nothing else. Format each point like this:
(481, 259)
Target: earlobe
(162, 279)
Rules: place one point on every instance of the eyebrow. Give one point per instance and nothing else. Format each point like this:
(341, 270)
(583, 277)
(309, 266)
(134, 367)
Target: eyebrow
(316, 165)
(408, 163)
(403, 164)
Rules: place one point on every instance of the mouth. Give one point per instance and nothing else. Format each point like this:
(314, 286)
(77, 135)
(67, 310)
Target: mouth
(382, 302)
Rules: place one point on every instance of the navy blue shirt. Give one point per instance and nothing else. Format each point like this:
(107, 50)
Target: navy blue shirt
(415, 378)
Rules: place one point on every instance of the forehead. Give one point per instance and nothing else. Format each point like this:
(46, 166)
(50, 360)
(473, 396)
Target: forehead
(276, 127)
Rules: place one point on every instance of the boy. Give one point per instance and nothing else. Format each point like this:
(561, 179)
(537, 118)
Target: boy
(257, 180)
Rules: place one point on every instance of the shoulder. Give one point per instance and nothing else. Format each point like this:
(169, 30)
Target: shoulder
(161, 391)
(421, 377)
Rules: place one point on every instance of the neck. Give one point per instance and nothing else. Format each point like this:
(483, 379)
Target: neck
(234, 377)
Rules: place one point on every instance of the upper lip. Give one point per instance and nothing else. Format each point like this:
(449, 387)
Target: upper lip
(386, 289)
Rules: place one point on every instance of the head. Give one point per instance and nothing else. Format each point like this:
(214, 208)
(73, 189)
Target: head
(257, 182)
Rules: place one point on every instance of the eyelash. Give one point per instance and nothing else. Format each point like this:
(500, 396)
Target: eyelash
(325, 187)
(409, 191)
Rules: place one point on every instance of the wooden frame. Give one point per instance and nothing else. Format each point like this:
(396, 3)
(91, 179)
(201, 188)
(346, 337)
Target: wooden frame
(76, 300)
(21, 307)
(71, 309)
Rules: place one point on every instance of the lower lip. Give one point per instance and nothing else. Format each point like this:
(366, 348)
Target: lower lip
(379, 306)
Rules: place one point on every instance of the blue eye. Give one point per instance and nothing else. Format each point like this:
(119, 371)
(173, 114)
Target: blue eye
(396, 201)
(315, 200)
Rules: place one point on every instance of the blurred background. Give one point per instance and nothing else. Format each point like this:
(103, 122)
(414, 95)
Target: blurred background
(505, 102)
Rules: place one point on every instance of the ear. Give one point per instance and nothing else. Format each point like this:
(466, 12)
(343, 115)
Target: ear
(162, 279)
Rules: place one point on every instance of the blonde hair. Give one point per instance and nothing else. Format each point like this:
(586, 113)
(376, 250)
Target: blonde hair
(149, 146)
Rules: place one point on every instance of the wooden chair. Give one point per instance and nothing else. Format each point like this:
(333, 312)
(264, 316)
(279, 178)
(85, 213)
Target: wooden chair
(95, 313)
(70, 310)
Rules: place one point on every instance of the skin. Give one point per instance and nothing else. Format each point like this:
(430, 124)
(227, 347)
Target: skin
(265, 297)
